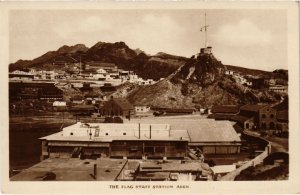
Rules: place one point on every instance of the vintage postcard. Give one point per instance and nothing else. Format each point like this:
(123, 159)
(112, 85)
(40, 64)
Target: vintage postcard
(150, 98)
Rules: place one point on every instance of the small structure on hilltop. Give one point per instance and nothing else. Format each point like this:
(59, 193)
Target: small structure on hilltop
(207, 50)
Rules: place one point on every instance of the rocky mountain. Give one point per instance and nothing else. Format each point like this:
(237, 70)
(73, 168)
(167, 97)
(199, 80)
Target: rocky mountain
(200, 81)
(146, 66)
(203, 70)
(72, 49)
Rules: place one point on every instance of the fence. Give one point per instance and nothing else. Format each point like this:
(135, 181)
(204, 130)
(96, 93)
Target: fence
(257, 160)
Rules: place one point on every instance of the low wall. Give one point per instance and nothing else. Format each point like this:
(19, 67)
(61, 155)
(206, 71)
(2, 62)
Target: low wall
(257, 160)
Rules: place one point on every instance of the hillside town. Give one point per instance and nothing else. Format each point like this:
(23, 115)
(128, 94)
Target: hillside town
(91, 72)
(108, 138)
(93, 85)
(110, 113)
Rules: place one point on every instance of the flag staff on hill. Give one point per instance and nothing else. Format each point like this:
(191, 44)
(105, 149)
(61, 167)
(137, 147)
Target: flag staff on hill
(204, 28)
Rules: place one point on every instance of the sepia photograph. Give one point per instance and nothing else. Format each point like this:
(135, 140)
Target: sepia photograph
(154, 97)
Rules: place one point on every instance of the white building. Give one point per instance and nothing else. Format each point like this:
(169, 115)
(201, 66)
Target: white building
(101, 71)
(229, 72)
(278, 88)
(241, 80)
(141, 108)
(145, 82)
(20, 75)
(99, 76)
(77, 85)
(47, 75)
(59, 104)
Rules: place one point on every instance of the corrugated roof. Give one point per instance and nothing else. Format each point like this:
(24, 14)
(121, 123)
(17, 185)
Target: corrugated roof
(221, 116)
(252, 107)
(175, 135)
(200, 130)
(230, 109)
(213, 131)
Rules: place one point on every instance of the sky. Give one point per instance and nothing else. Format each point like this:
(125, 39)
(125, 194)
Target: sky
(248, 38)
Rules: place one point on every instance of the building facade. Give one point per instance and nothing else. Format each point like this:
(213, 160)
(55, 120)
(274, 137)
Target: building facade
(117, 140)
(267, 118)
(117, 107)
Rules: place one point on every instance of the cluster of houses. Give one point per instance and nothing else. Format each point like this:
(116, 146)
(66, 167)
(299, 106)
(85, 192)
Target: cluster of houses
(97, 73)
(254, 116)
(258, 82)
(239, 78)
(112, 107)
(33, 75)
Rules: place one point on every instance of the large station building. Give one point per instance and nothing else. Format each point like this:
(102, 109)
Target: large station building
(142, 140)
(117, 140)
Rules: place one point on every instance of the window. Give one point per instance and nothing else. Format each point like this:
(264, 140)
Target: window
(124, 133)
(106, 133)
(272, 125)
(272, 115)
(71, 133)
(263, 116)
(247, 125)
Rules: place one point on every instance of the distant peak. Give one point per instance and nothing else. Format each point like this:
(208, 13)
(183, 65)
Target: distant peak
(121, 44)
(72, 49)
(99, 44)
(139, 51)
(161, 54)
(104, 44)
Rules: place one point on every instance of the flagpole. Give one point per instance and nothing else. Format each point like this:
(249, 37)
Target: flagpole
(205, 27)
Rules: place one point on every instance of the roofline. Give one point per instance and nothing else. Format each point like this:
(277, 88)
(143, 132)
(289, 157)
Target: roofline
(114, 140)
